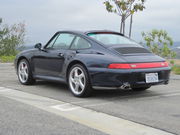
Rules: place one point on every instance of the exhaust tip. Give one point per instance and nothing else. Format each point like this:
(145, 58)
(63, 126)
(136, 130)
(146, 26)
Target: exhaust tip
(125, 86)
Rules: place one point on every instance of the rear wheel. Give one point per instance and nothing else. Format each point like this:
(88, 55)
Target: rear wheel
(79, 82)
(140, 88)
(24, 73)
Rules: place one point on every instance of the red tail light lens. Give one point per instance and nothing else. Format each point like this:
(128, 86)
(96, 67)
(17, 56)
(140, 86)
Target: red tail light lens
(119, 66)
(138, 65)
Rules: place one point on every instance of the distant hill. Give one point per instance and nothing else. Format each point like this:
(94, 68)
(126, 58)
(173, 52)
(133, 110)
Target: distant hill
(24, 47)
(176, 44)
(176, 48)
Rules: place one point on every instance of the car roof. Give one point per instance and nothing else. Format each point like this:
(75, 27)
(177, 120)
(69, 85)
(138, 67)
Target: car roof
(71, 31)
(92, 31)
(103, 31)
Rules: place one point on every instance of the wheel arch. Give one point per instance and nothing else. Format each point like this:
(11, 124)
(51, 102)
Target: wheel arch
(19, 59)
(73, 63)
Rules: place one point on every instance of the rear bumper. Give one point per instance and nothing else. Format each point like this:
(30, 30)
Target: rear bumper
(104, 77)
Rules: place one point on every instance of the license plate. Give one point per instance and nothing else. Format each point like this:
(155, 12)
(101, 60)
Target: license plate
(152, 77)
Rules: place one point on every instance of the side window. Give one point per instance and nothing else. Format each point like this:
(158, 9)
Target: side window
(50, 45)
(80, 43)
(63, 41)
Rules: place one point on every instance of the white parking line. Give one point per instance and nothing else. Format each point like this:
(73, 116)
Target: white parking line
(170, 95)
(4, 89)
(70, 107)
(65, 107)
(97, 120)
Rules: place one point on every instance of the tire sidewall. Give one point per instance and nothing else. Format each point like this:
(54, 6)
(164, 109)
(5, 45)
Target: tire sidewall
(87, 90)
(29, 80)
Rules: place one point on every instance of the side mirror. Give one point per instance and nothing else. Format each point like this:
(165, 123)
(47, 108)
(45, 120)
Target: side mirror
(38, 46)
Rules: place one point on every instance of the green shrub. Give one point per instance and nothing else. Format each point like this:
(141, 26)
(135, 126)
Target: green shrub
(172, 62)
(176, 69)
(6, 59)
(159, 42)
(11, 37)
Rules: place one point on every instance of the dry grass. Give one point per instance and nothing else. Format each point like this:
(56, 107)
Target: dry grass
(177, 61)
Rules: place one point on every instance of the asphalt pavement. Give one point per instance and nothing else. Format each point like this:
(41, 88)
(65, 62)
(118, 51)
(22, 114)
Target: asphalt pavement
(157, 107)
(20, 119)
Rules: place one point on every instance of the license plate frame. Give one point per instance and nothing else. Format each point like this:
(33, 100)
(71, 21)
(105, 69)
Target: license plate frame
(151, 77)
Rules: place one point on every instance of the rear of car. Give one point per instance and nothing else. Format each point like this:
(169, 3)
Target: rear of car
(133, 66)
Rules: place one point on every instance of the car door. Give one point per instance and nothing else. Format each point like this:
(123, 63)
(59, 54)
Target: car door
(49, 61)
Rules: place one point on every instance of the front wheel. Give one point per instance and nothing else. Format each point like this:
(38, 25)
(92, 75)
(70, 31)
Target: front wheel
(24, 73)
(140, 89)
(79, 82)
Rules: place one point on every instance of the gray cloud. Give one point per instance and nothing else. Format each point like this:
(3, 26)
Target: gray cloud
(44, 17)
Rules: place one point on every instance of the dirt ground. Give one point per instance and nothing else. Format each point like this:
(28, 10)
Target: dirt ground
(177, 61)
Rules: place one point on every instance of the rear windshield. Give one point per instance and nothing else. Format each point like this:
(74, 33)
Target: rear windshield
(111, 38)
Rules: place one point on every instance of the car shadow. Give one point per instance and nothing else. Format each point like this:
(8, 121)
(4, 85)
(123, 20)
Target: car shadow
(99, 94)
(122, 94)
(55, 85)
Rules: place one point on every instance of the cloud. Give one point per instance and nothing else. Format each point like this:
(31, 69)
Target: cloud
(44, 17)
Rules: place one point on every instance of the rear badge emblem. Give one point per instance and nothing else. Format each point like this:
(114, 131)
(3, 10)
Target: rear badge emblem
(133, 66)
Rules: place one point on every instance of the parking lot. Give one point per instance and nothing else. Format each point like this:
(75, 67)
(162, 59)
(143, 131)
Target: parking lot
(157, 108)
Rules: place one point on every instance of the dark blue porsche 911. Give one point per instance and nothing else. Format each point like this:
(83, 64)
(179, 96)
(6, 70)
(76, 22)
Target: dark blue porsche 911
(92, 60)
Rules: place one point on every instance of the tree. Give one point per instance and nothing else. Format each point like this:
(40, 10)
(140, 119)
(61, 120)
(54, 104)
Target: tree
(10, 38)
(159, 42)
(124, 8)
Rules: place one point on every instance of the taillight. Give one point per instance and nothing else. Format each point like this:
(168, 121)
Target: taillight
(119, 66)
(138, 65)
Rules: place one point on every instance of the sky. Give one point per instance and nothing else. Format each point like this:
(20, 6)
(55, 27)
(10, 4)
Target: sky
(45, 17)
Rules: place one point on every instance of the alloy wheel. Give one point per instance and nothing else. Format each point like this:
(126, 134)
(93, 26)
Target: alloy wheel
(23, 72)
(77, 80)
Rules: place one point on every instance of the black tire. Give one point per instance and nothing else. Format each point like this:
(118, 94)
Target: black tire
(30, 80)
(87, 91)
(140, 89)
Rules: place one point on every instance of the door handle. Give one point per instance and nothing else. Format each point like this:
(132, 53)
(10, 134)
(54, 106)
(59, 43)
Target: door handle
(61, 55)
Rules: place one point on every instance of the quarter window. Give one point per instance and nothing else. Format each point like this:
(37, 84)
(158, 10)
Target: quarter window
(80, 43)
